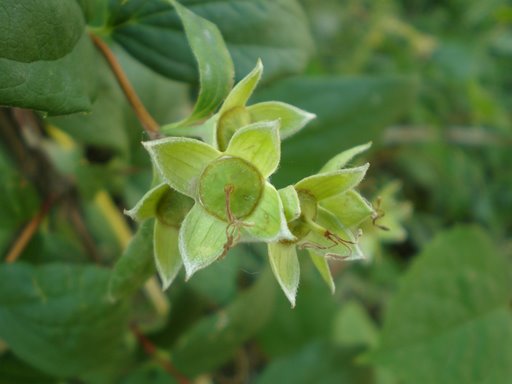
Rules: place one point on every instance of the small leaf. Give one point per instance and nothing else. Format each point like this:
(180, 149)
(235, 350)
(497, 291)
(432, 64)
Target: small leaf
(215, 66)
(322, 266)
(291, 203)
(333, 183)
(136, 264)
(201, 240)
(259, 144)
(286, 268)
(167, 255)
(180, 161)
(342, 159)
(350, 208)
(243, 90)
(267, 222)
(292, 119)
(146, 207)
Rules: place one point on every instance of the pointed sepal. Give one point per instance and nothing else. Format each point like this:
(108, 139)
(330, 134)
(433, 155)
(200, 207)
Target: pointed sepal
(167, 255)
(285, 265)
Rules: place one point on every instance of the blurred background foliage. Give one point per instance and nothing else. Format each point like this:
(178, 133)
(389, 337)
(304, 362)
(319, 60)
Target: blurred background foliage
(429, 82)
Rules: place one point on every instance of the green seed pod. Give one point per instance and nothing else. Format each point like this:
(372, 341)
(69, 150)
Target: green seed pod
(173, 207)
(229, 123)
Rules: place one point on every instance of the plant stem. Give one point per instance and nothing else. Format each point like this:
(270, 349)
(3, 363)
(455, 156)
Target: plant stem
(28, 232)
(152, 351)
(148, 123)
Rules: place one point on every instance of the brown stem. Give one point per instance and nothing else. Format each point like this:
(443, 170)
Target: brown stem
(148, 123)
(28, 232)
(152, 351)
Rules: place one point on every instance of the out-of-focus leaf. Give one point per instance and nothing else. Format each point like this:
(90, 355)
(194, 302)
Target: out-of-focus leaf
(58, 318)
(149, 374)
(450, 322)
(275, 31)
(215, 339)
(39, 30)
(136, 265)
(350, 111)
(60, 86)
(353, 326)
(13, 370)
(317, 363)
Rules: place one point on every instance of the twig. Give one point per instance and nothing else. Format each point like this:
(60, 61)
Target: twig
(152, 351)
(78, 223)
(148, 123)
(28, 232)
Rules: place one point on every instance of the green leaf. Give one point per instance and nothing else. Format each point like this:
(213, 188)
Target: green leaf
(136, 265)
(60, 86)
(317, 363)
(13, 370)
(259, 144)
(341, 160)
(350, 208)
(276, 32)
(322, 265)
(213, 60)
(292, 119)
(332, 183)
(450, 322)
(167, 254)
(353, 326)
(350, 111)
(39, 30)
(146, 207)
(202, 239)
(180, 161)
(55, 317)
(291, 203)
(267, 222)
(215, 339)
(285, 265)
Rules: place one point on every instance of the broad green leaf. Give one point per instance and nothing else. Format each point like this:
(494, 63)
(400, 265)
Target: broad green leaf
(136, 265)
(291, 203)
(60, 86)
(202, 239)
(215, 339)
(322, 265)
(285, 265)
(276, 32)
(350, 111)
(292, 119)
(213, 60)
(267, 222)
(450, 322)
(243, 90)
(341, 160)
(146, 207)
(167, 254)
(332, 183)
(39, 30)
(350, 208)
(319, 362)
(259, 144)
(180, 161)
(55, 316)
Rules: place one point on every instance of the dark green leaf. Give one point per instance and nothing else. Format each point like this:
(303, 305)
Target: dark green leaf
(215, 339)
(60, 86)
(350, 111)
(451, 322)
(275, 31)
(318, 363)
(58, 318)
(136, 265)
(35, 30)
(13, 370)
